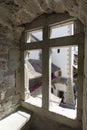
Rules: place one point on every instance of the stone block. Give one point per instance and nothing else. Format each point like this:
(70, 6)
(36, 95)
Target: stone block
(2, 95)
(2, 114)
(1, 108)
(10, 92)
(1, 76)
(3, 65)
(3, 50)
(3, 86)
(16, 99)
(18, 82)
(14, 59)
(4, 56)
(7, 105)
(10, 79)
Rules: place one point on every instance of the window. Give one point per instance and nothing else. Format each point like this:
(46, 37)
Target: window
(62, 30)
(63, 97)
(34, 36)
(33, 75)
(60, 40)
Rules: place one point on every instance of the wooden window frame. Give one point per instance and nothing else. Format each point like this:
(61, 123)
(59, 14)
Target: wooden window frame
(45, 22)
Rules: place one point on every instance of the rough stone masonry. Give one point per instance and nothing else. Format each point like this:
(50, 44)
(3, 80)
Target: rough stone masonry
(14, 13)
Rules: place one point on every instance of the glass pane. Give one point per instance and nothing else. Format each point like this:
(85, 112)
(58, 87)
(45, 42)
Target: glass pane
(33, 76)
(61, 30)
(34, 36)
(63, 92)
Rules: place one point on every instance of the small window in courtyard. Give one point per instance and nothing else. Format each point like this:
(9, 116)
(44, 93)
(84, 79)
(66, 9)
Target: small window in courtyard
(34, 36)
(62, 30)
(58, 50)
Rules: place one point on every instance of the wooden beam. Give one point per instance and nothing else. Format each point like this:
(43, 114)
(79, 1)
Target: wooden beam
(33, 45)
(76, 39)
(46, 77)
(51, 19)
(67, 41)
(59, 18)
(80, 80)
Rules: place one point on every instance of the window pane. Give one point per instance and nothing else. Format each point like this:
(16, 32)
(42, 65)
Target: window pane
(63, 91)
(33, 76)
(61, 30)
(34, 36)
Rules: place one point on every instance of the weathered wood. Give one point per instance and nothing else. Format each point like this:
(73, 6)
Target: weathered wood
(51, 19)
(59, 18)
(46, 77)
(66, 41)
(80, 79)
(45, 22)
(56, 42)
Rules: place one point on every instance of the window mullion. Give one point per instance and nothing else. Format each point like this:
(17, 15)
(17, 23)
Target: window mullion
(46, 68)
(46, 79)
(79, 28)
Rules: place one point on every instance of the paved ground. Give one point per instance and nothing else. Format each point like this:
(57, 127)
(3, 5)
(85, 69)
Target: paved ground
(36, 99)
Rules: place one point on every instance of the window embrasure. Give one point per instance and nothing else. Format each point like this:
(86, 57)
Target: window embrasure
(53, 58)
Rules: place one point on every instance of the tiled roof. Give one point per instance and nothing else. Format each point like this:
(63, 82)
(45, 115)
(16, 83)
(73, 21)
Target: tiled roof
(37, 64)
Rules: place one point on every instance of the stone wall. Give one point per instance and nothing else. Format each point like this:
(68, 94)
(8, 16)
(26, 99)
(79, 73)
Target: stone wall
(9, 71)
(16, 12)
